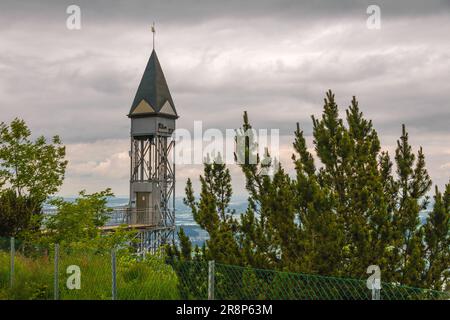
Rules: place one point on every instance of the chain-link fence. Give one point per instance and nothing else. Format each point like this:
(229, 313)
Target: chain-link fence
(67, 272)
(79, 273)
(84, 273)
(232, 282)
(202, 280)
(145, 278)
(193, 279)
(26, 271)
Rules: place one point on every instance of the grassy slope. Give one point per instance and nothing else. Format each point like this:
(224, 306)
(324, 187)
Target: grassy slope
(149, 279)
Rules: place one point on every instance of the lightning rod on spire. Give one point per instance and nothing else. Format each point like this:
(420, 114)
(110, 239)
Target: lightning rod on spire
(153, 31)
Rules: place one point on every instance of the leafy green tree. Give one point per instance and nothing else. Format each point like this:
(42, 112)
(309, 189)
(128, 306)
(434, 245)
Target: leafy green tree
(17, 214)
(30, 167)
(30, 171)
(79, 219)
(78, 225)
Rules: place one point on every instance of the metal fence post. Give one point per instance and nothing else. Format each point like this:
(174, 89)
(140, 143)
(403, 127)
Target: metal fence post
(13, 254)
(56, 273)
(211, 265)
(113, 274)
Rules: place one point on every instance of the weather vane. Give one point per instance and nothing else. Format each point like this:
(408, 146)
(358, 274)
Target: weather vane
(153, 31)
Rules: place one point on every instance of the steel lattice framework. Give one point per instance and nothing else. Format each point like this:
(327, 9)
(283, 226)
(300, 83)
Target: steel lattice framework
(152, 163)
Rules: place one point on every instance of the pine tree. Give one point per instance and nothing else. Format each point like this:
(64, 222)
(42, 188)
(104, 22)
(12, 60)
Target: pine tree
(320, 236)
(413, 184)
(185, 245)
(336, 218)
(213, 214)
(437, 242)
(352, 177)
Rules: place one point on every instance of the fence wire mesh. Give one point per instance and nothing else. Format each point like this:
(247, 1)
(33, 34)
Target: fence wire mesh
(233, 282)
(86, 273)
(5, 264)
(30, 276)
(146, 278)
(192, 279)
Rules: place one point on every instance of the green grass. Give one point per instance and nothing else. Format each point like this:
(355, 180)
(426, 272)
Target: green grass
(135, 282)
(139, 280)
(33, 278)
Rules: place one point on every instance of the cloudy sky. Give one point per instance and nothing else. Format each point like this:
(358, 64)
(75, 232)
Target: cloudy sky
(274, 59)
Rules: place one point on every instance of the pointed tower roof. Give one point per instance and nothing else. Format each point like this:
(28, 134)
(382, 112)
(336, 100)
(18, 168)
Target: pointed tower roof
(153, 96)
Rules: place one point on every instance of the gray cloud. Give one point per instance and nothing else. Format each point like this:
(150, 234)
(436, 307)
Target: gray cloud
(199, 11)
(274, 59)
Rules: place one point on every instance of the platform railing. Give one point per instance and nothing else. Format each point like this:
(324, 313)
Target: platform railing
(128, 216)
(133, 216)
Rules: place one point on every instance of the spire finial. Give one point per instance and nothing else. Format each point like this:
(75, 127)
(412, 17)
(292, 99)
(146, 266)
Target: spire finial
(153, 31)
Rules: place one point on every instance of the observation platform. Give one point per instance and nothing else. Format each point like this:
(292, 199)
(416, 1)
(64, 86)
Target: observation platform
(130, 218)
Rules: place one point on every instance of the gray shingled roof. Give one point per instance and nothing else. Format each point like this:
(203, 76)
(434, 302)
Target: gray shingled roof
(153, 87)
